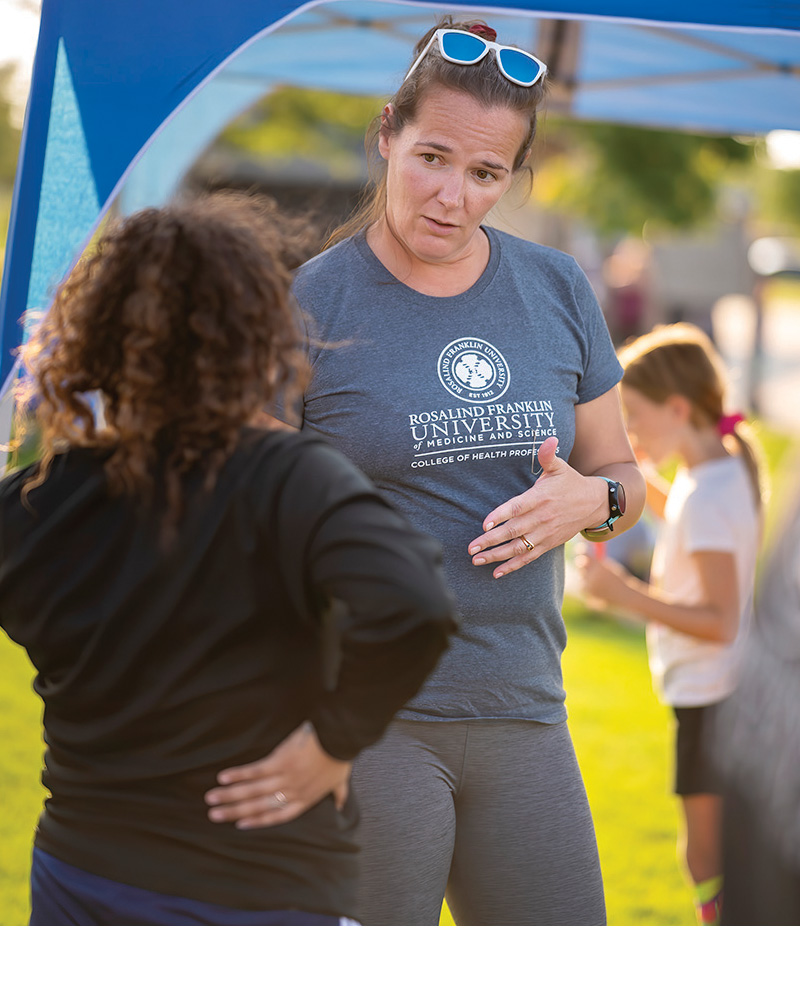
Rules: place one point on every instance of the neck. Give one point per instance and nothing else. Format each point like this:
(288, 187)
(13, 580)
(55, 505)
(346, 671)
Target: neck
(702, 445)
(430, 277)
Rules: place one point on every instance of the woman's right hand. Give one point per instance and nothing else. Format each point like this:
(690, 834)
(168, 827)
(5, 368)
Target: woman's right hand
(602, 581)
(281, 786)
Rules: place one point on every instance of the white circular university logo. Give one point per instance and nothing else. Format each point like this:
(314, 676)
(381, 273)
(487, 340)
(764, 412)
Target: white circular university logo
(472, 369)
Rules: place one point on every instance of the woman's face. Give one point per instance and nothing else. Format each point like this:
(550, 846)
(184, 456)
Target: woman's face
(652, 427)
(446, 170)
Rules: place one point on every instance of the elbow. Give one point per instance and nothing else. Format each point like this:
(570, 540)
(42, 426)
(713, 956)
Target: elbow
(439, 613)
(724, 629)
(638, 494)
(728, 632)
(633, 482)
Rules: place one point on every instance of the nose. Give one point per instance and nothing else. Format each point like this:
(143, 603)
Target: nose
(451, 191)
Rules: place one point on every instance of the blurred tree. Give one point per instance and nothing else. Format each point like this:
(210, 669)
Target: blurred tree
(778, 198)
(291, 124)
(617, 177)
(9, 133)
(9, 148)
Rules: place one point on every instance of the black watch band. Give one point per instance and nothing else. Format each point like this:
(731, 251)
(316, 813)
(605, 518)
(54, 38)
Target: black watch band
(616, 508)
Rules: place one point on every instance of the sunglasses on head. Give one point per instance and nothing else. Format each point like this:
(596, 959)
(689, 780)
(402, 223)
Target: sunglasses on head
(465, 49)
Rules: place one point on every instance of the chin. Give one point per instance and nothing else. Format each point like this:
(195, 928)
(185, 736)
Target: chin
(431, 254)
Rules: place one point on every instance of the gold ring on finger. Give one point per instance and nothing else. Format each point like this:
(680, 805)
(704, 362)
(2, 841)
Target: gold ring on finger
(528, 545)
(280, 798)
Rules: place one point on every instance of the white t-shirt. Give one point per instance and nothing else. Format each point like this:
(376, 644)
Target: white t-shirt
(710, 508)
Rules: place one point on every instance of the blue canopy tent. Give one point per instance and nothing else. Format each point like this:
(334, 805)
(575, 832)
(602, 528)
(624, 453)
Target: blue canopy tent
(124, 96)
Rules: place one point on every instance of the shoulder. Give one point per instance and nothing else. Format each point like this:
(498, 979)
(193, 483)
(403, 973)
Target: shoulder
(538, 268)
(721, 491)
(331, 284)
(517, 250)
(67, 468)
(12, 482)
(720, 478)
(303, 463)
(330, 261)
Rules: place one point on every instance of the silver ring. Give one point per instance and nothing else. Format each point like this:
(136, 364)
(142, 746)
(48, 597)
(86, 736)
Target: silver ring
(280, 798)
(528, 545)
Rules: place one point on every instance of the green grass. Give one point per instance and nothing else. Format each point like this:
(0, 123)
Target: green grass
(21, 793)
(622, 736)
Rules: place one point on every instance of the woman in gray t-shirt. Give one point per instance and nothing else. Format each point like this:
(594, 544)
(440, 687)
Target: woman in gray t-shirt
(474, 381)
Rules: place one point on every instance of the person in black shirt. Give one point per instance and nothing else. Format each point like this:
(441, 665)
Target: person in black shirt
(194, 591)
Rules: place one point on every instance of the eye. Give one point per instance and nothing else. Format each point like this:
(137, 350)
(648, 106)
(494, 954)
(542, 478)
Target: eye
(485, 175)
(430, 157)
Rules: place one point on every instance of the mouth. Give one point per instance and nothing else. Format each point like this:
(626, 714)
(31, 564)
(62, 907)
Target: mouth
(440, 227)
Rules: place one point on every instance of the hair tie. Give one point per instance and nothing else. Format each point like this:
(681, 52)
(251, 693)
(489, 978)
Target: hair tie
(484, 31)
(727, 423)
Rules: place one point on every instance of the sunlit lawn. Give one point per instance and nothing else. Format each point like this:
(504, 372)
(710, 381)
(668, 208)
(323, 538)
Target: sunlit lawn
(621, 733)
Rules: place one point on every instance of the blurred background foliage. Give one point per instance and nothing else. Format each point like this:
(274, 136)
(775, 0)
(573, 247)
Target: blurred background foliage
(9, 149)
(316, 125)
(615, 178)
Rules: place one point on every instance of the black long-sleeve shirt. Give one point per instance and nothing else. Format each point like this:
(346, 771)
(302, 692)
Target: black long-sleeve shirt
(157, 669)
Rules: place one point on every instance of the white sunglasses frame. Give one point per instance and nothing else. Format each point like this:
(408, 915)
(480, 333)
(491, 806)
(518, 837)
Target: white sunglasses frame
(490, 46)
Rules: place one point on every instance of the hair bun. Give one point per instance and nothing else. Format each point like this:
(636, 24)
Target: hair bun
(484, 31)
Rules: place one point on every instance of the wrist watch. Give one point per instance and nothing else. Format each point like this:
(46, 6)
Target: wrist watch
(616, 506)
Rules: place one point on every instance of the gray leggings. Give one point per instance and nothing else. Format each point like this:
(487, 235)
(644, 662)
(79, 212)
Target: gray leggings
(492, 814)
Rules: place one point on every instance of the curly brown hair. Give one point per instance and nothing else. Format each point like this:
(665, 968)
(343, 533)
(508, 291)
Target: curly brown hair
(182, 320)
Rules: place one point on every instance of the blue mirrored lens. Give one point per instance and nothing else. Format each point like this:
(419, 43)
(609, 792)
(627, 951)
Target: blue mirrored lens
(519, 65)
(465, 48)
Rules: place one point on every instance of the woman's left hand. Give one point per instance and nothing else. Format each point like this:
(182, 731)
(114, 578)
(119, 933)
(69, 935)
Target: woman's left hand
(560, 504)
(281, 786)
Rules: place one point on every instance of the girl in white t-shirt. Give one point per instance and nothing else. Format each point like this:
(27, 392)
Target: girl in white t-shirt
(698, 600)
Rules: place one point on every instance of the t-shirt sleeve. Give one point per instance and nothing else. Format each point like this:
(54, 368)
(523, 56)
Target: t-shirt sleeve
(342, 545)
(602, 370)
(707, 524)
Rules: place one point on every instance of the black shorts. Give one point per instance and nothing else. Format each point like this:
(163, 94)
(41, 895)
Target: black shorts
(695, 771)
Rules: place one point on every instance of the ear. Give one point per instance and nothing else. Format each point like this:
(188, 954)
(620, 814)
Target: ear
(680, 407)
(386, 132)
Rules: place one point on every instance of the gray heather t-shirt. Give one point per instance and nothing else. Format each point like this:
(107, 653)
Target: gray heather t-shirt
(441, 402)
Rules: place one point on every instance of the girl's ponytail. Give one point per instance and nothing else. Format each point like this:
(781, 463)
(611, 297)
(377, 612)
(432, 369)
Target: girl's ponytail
(750, 450)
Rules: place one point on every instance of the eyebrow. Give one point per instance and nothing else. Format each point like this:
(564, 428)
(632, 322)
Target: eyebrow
(447, 149)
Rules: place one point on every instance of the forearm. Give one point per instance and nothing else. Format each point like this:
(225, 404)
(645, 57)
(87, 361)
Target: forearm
(375, 681)
(396, 622)
(701, 621)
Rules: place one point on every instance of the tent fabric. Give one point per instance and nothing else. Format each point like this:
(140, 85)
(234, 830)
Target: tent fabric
(124, 96)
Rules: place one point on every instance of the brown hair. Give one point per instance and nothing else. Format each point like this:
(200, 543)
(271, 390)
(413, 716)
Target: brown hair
(483, 81)
(680, 360)
(182, 320)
